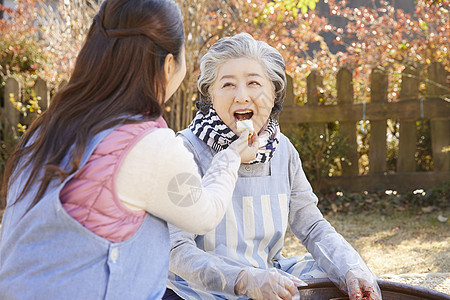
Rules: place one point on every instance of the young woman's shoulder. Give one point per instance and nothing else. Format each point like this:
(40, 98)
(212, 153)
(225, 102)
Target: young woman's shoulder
(161, 140)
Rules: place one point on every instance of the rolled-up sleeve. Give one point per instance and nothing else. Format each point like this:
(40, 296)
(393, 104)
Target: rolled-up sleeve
(205, 271)
(330, 250)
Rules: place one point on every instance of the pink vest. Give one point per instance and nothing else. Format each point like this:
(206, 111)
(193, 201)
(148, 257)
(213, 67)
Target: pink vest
(91, 198)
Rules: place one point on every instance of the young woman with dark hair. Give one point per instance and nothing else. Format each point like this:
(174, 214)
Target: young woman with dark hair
(96, 177)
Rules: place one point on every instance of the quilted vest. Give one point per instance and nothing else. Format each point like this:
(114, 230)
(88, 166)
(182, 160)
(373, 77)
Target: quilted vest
(90, 196)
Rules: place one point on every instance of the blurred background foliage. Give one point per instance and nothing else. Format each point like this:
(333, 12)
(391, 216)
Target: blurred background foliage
(42, 38)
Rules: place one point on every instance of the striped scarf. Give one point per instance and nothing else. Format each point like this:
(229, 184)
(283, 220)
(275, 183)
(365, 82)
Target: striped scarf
(213, 131)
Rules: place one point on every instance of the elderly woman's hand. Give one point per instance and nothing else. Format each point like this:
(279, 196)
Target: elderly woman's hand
(246, 146)
(362, 286)
(266, 284)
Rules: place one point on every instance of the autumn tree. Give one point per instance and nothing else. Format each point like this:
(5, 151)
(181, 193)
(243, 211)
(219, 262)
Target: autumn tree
(58, 32)
(42, 39)
(392, 40)
(207, 21)
(63, 29)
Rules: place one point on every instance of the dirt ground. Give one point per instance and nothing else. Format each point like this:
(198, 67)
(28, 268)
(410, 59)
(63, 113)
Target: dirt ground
(406, 247)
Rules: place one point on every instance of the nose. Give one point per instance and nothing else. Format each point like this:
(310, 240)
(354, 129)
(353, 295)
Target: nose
(242, 95)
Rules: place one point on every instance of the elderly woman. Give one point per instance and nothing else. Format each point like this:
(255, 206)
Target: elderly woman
(244, 79)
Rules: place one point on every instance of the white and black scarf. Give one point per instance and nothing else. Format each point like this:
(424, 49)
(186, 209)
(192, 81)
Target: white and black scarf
(213, 131)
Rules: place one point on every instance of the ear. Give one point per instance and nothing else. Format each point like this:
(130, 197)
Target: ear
(169, 66)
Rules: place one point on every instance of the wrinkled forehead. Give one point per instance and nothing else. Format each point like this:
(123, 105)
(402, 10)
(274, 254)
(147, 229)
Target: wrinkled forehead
(241, 68)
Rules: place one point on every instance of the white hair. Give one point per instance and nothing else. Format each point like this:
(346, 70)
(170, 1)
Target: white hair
(238, 46)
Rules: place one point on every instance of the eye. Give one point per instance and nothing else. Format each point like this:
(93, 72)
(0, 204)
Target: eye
(227, 84)
(254, 82)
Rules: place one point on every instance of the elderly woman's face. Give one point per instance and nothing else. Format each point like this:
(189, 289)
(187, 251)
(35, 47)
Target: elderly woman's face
(242, 91)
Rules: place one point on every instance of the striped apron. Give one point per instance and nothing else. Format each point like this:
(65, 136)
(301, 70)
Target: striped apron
(253, 229)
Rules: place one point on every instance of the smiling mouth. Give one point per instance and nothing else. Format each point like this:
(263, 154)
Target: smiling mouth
(243, 115)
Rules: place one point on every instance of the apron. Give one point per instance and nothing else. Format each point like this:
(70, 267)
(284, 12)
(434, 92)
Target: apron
(253, 229)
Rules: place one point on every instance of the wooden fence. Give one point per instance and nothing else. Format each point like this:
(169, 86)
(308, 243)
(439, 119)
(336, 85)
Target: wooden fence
(378, 110)
(409, 109)
(10, 115)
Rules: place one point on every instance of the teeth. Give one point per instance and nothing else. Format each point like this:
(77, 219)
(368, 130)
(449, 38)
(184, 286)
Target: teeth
(243, 112)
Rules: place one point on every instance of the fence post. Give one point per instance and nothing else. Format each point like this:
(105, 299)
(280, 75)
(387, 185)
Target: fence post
(377, 141)
(290, 97)
(344, 87)
(9, 119)
(437, 86)
(313, 81)
(289, 102)
(12, 115)
(43, 93)
(408, 137)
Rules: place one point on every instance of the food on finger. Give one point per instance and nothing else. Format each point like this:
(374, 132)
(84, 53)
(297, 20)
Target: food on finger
(243, 125)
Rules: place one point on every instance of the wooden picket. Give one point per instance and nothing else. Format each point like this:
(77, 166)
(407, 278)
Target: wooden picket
(378, 110)
(377, 141)
(347, 128)
(440, 126)
(11, 114)
(407, 143)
